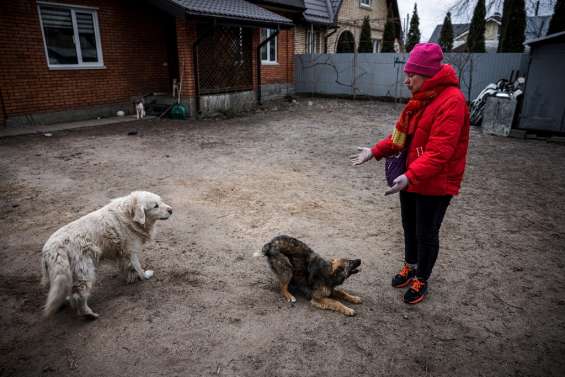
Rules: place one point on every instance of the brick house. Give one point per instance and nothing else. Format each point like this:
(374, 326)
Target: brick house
(334, 26)
(66, 60)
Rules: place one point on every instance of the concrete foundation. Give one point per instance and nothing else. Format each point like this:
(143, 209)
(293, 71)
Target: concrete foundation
(210, 105)
(73, 115)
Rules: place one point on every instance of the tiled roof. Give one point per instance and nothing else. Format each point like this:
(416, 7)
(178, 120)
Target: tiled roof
(335, 5)
(286, 3)
(318, 12)
(232, 9)
(458, 29)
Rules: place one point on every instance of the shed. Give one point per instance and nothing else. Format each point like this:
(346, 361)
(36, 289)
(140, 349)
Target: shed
(544, 95)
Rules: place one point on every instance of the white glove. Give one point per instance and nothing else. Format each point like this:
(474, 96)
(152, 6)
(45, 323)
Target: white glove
(399, 184)
(364, 155)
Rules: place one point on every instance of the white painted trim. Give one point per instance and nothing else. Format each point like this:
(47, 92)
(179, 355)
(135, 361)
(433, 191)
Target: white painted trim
(65, 5)
(267, 46)
(76, 37)
(366, 6)
(60, 67)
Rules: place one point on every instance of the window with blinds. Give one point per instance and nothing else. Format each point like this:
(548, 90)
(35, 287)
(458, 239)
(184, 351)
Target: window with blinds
(71, 36)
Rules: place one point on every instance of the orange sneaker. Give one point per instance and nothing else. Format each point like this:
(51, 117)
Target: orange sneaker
(403, 278)
(417, 291)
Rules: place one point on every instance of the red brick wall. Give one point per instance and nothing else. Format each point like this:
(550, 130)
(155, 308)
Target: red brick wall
(132, 48)
(283, 72)
(186, 36)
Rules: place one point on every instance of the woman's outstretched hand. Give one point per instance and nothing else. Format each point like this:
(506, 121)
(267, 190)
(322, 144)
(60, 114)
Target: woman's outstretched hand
(399, 184)
(364, 155)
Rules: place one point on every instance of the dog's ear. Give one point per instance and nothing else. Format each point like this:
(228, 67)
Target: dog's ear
(138, 211)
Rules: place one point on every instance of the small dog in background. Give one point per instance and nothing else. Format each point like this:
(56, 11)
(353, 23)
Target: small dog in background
(140, 108)
(297, 266)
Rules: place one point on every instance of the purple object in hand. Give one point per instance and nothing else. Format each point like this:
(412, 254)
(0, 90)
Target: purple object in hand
(395, 166)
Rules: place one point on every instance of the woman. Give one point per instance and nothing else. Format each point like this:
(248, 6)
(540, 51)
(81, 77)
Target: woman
(434, 129)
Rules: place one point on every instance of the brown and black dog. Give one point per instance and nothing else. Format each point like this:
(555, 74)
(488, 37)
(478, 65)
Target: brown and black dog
(298, 267)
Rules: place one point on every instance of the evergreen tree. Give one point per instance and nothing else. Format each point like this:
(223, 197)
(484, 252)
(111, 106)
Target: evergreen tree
(476, 36)
(414, 32)
(515, 28)
(557, 23)
(446, 34)
(365, 42)
(388, 34)
(504, 23)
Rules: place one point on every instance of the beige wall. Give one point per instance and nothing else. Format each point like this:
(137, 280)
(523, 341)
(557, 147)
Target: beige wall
(300, 33)
(491, 30)
(350, 17)
(299, 40)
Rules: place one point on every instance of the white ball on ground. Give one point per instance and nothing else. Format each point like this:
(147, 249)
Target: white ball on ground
(120, 113)
(148, 274)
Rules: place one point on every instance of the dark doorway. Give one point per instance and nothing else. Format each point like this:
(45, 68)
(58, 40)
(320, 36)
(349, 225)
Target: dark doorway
(345, 43)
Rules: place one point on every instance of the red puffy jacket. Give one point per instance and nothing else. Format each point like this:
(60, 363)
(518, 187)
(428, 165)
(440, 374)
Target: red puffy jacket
(438, 148)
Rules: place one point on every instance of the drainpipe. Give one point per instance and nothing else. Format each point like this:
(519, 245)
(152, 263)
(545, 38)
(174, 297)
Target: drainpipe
(195, 64)
(271, 37)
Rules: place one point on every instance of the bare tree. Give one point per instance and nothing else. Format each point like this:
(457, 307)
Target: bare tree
(464, 8)
(463, 63)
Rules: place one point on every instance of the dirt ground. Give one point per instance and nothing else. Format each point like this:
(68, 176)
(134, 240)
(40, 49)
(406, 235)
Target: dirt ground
(496, 305)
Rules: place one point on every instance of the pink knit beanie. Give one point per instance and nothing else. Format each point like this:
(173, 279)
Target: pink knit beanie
(425, 59)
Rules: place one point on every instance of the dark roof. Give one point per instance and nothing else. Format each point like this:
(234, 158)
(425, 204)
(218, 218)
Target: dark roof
(318, 12)
(550, 37)
(298, 4)
(240, 10)
(458, 29)
(536, 26)
(336, 4)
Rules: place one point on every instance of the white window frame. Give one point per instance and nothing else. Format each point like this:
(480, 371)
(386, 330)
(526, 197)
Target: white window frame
(267, 46)
(366, 3)
(377, 45)
(313, 42)
(73, 9)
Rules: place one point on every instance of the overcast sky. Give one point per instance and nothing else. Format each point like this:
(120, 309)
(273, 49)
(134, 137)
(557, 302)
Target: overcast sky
(432, 13)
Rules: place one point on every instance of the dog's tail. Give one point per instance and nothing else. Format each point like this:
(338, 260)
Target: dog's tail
(263, 252)
(59, 289)
(60, 281)
(44, 273)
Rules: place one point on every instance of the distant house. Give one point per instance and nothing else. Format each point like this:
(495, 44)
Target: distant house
(65, 60)
(318, 23)
(536, 27)
(334, 26)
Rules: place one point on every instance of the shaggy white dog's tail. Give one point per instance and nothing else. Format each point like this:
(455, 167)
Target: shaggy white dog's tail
(58, 292)
(60, 283)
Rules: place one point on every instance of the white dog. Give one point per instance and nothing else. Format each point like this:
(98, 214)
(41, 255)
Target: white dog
(116, 231)
(139, 110)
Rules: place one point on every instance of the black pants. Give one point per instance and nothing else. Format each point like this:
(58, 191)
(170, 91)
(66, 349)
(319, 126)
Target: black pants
(421, 219)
